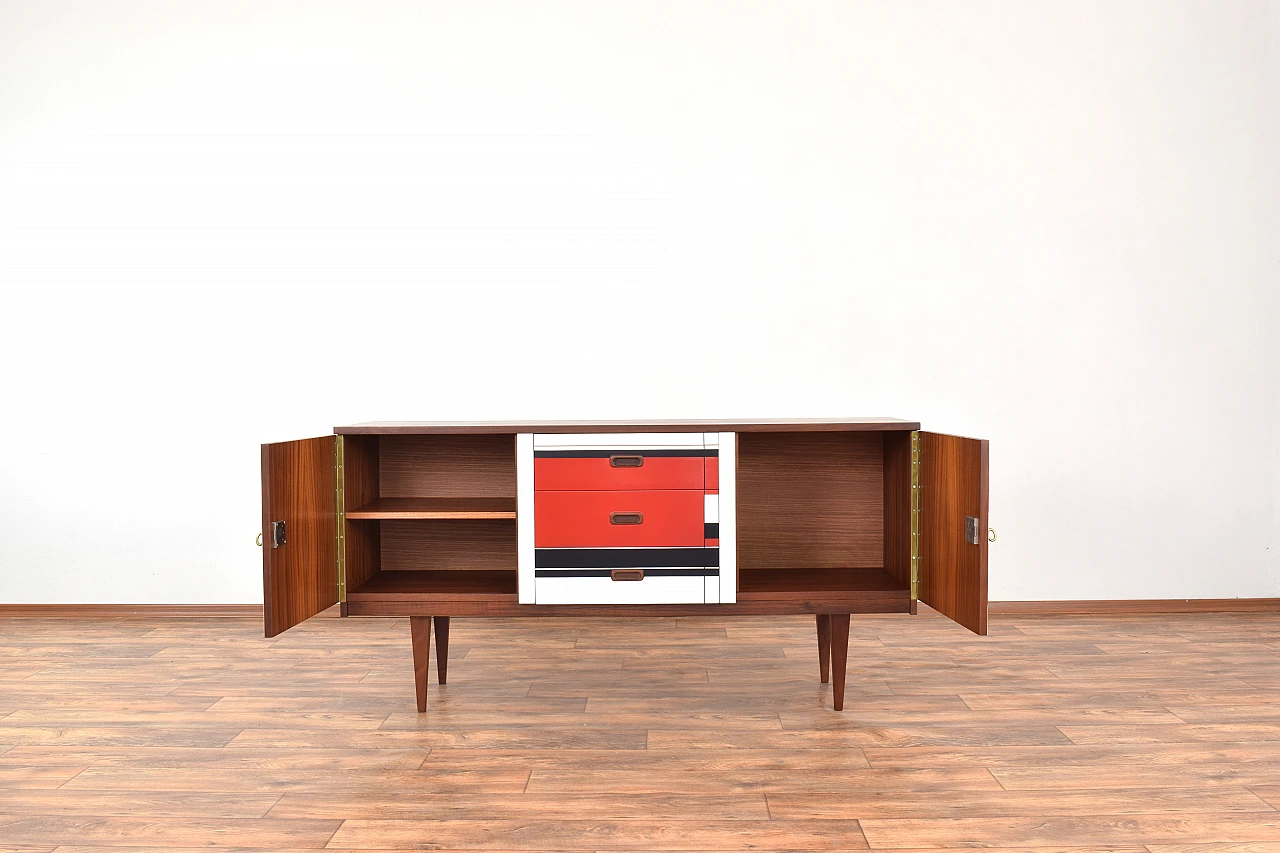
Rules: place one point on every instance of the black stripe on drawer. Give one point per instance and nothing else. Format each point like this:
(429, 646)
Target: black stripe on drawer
(605, 454)
(624, 558)
(711, 530)
(604, 573)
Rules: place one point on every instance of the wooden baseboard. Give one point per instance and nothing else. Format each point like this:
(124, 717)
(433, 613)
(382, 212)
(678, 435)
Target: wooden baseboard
(116, 610)
(1133, 607)
(1103, 607)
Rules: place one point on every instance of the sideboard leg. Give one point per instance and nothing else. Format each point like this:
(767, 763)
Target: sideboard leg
(420, 628)
(442, 646)
(839, 656)
(824, 646)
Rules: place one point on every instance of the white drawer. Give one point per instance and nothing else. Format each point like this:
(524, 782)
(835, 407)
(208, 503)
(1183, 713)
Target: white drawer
(602, 589)
(618, 440)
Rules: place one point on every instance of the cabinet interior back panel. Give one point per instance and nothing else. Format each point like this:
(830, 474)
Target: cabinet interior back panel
(448, 544)
(810, 500)
(447, 466)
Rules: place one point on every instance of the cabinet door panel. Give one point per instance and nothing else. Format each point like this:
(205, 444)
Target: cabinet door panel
(953, 487)
(299, 577)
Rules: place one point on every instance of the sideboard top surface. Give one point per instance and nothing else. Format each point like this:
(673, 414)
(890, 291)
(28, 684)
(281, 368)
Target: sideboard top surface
(492, 427)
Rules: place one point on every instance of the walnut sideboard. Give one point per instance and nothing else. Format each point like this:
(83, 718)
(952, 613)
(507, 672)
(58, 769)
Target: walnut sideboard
(433, 520)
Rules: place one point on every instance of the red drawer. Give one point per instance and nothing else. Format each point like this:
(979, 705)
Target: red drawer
(596, 519)
(711, 479)
(605, 474)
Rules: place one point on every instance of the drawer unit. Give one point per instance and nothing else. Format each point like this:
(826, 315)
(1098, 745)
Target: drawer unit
(620, 518)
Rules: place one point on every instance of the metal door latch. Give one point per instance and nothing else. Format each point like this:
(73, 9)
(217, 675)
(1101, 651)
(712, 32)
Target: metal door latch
(277, 534)
(971, 530)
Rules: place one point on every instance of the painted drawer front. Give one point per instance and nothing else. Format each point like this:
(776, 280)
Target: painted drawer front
(614, 469)
(599, 588)
(617, 519)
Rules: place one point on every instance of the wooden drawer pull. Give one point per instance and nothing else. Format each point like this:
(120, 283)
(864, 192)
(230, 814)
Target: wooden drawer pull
(627, 575)
(626, 461)
(626, 518)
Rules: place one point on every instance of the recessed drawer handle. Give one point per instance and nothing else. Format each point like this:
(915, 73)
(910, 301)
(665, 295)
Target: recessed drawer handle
(626, 518)
(626, 461)
(627, 575)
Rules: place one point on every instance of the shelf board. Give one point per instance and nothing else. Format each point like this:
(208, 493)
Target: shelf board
(440, 585)
(806, 583)
(426, 508)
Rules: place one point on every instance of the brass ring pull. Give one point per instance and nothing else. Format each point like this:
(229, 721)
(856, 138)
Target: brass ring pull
(627, 575)
(991, 534)
(259, 540)
(631, 461)
(626, 518)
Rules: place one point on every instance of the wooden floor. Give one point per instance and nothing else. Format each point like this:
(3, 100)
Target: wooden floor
(1156, 733)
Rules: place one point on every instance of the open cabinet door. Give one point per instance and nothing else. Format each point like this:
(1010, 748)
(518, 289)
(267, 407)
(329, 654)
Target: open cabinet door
(300, 557)
(953, 528)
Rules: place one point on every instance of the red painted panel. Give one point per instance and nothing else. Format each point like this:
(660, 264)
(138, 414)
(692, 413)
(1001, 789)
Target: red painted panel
(658, 472)
(672, 519)
(713, 474)
(711, 543)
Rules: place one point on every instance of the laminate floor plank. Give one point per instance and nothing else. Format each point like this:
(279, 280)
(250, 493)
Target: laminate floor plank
(1127, 733)
(1097, 829)
(694, 834)
(864, 804)
(415, 805)
(178, 832)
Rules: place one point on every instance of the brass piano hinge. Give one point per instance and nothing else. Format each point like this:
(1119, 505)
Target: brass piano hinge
(915, 515)
(340, 514)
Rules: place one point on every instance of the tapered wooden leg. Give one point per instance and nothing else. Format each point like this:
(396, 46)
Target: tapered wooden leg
(442, 646)
(839, 656)
(420, 628)
(824, 647)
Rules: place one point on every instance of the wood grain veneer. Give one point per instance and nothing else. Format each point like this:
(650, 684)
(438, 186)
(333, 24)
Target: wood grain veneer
(420, 634)
(696, 425)
(810, 499)
(300, 578)
(824, 647)
(839, 657)
(799, 583)
(466, 544)
(440, 584)
(436, 508)
(441, 625)
(447, 466)
(897, 505)
(360, 486)
(953, 485)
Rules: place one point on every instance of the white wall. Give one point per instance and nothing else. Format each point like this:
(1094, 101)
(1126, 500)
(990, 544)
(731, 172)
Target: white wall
(1048, 224)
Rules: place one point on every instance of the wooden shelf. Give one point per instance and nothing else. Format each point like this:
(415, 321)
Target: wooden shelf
(450, 585)
(427, 508)
(760, 584)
